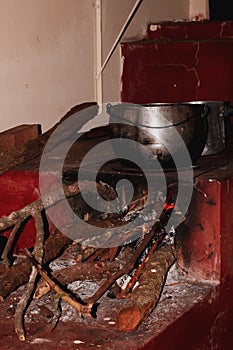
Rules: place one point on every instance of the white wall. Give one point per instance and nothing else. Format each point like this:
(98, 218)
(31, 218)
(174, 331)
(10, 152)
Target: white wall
(114, 15)
(46, 59)
(47, 53)
(199, 10)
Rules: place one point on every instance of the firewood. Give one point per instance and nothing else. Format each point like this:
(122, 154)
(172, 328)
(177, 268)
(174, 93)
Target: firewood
(35, 208)
(134, 279)
(143, 299)
(26, 297)
(18, 274)
(21, 306)
(104, 254)
(76, 304)
(8, 282)
(82, 271)
(156, 232)
(50, 199)
(7, 248)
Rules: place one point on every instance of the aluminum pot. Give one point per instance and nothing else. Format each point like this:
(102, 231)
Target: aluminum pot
(152, 125)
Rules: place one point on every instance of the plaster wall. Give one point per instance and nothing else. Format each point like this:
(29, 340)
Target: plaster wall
(48, 55)
(46, 59)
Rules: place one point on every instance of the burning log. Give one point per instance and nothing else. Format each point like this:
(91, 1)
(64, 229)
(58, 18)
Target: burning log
(143, 299)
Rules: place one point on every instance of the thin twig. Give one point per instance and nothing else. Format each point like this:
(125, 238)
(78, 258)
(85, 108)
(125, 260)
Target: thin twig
(78, 272)
(25, 299)
(53, 198)
(139, 269)
(38, 250)
(79, 306)
(7, 248)
(21, 307)
(18, 274)
(56, 313)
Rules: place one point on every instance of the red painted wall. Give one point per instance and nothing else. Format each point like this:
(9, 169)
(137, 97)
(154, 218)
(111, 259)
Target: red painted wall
(182, 69)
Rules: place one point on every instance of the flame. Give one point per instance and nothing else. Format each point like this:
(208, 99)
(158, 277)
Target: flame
(169, 204)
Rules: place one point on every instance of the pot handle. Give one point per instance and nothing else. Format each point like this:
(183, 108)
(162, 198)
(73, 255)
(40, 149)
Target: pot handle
(206, 111)
(109, 108)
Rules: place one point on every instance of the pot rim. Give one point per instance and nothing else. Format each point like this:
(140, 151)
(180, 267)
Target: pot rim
(206, 102)
(111, 108)
(151, 104)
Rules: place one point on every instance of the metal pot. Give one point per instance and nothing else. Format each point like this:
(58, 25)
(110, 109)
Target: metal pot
(153, 125)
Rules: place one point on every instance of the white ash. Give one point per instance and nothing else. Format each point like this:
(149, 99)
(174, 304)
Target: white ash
(170, 236)
(79, 341)
(59, 264)
(40, 341)
(83, 288)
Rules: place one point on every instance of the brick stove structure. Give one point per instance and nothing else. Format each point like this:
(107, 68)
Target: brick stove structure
(197, 65)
